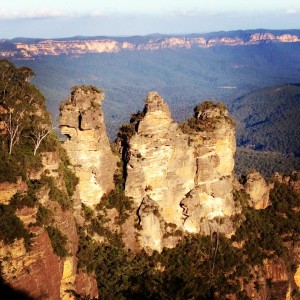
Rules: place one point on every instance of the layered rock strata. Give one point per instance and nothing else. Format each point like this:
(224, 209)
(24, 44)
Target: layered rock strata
(179, 182)
(109, 45)
(38, 271)
(212, 135)
(88, 146)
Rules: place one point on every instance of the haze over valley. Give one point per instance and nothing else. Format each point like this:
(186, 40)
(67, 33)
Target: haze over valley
(150, 150)
(238, 68)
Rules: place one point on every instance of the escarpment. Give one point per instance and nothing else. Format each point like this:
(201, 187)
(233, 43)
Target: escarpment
(88, 146)
(179, 180)
(67, 237)
(38, 232)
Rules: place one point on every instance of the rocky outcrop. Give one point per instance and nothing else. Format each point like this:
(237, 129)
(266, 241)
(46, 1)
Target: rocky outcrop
(86, 285)
(9, 189)
(37, 272)
(179, 181)
(258, 190)
(160, 171)
(212, 135)
(293, 180)
(88, 146)
(269, 281)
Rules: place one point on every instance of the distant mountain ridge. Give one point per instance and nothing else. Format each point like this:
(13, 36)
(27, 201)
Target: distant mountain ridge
(79, 45)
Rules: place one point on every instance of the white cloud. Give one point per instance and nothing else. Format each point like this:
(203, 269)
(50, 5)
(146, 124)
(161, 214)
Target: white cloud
(41, 13)
(292, 11)
(96, 13)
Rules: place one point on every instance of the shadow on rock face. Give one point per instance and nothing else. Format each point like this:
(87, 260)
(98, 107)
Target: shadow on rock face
(7, 292)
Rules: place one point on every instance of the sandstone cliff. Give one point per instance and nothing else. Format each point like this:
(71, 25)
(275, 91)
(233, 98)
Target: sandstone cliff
(258, 190)
(111, 45)
(40, 270)
(88, 146)
(212, 134)
(179, 182)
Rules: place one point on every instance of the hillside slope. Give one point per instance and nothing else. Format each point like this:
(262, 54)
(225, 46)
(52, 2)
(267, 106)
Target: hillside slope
(268, 119)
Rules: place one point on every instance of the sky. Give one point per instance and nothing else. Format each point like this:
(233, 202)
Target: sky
(66, 18)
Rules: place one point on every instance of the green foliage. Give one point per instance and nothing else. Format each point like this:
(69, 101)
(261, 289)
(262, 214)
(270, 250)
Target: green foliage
(284, 212)
(117, 199)
(43, 216)
(199, 267)
(208, 104)
(11, 227)
(267, 119)
(28, 199)
(70, 178)
(202, 123)
(126, 131)
(58, 241)
(266, 162)
(50, 143)
(55, 194)
(21, 103)
(19, 162)
(87, 211)
(68, 174)
(86, 254)
(185, 272)
(265, 231)
(10, 168)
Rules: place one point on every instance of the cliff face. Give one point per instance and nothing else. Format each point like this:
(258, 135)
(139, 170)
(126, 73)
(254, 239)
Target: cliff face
(209, 206)
(179, 182)
(110, 45)
(88, 146)
(39, 271)
(160, 172)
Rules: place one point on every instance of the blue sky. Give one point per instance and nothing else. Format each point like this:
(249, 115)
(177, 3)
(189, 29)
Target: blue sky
(61, 18)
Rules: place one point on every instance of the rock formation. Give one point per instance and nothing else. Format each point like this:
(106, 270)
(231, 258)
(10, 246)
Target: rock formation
(209, 206)
(38, 271)
(258, 190)
(88, 146)
(178, 181)
(160, 171)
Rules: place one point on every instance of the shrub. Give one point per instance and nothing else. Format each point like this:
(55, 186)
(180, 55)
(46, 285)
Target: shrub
(11, 227)
(43, 216)
(10, 168)
(55, 194)
(58, 241)
(87, 211)
(29, 199)
(70, 179)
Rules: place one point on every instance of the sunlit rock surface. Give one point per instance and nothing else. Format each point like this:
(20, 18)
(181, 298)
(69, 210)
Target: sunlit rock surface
(180, 181)
(88, 147)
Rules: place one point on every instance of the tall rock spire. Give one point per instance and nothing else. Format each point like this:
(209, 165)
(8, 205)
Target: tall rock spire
(180, 178)
(82, 121)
